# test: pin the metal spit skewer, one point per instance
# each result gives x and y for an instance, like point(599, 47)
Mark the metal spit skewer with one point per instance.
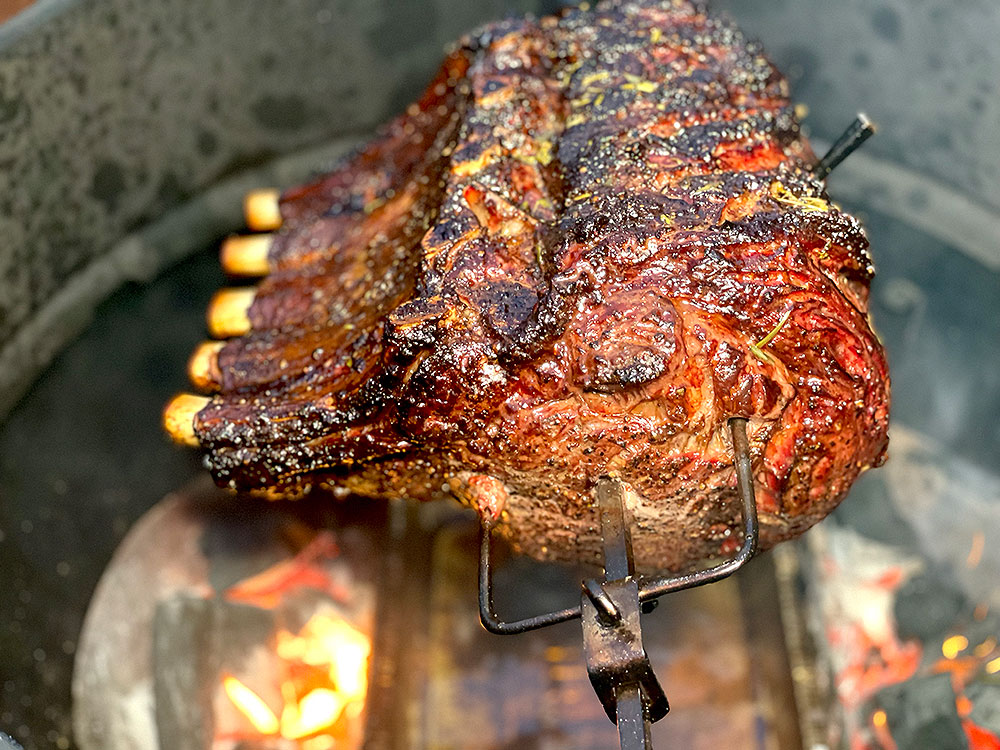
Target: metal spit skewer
point(617, 663)
point(857, 133)
point(618, 666)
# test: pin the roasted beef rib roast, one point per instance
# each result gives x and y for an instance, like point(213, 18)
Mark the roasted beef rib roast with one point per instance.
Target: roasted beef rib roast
point(593, 240)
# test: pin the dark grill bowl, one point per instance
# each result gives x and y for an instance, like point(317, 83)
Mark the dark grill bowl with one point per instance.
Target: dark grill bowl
point(129, 131)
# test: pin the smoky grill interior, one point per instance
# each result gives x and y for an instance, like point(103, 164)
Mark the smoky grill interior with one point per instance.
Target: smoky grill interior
point(81, 456)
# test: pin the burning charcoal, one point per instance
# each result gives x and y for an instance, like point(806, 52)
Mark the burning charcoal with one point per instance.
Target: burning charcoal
point(921, 714)
point(985, 698)
point(927, 606)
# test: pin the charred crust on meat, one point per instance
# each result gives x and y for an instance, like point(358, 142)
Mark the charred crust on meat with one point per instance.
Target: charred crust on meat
point(556, 264)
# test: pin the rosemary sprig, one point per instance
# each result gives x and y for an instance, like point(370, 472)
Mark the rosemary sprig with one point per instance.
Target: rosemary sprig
point(757, 349)
point(807, 203)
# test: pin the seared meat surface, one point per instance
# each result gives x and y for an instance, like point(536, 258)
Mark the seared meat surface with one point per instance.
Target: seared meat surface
point(593, 240)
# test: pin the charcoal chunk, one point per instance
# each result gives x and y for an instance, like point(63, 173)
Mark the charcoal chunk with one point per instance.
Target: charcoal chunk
point(985, 698)
point(927, 606)
point(922, 715)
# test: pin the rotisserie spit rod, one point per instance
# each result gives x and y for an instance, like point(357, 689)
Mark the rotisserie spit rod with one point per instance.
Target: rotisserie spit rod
point(619, 668)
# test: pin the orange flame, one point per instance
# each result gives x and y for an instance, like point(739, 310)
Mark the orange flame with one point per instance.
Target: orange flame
point(267, 589)
point(335, 656)
point(252, 706)
point(953, 646)
point(318, 709)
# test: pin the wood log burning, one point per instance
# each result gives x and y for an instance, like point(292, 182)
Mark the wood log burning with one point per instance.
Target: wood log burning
point(215, 639)
point(593, 240)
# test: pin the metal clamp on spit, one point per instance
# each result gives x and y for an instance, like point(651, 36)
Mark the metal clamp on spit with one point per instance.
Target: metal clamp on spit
point(616, 661)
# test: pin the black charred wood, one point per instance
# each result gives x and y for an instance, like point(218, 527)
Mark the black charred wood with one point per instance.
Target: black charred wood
point(927, 607)
point(182, 670)
point(922, 715)
point(196, 641)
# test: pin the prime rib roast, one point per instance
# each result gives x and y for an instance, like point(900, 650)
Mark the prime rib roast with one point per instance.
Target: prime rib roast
point(593, 240)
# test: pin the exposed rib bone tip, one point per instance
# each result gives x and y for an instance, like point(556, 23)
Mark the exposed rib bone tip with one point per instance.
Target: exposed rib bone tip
point(228, 312)
point(178, 417)
point(262, 210)
point(203, 366)
point(246, 255)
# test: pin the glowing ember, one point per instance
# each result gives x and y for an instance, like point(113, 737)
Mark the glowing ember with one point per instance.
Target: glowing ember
point(327, 668)
point(883, 669)
point(911, 629)
point(331, 642)
point(305, 570)
point(985, 648)
point(317, 710)
point(976, 551)
point(252, 706)
point(954, 645)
